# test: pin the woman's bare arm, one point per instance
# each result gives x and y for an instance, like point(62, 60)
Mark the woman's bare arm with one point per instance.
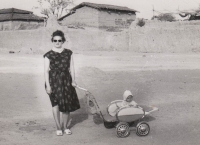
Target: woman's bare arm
point(72, 70)
point(46, 74)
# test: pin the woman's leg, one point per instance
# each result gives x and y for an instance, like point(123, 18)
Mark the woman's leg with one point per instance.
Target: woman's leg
point(56, 115)
point(66, 117)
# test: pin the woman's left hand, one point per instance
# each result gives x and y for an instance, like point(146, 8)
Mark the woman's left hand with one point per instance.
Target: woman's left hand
point(74, 84)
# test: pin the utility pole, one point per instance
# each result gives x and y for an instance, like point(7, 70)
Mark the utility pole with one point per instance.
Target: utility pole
point(153, 11)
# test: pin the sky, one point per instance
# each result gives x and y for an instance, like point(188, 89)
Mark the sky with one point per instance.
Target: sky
point(145, 7)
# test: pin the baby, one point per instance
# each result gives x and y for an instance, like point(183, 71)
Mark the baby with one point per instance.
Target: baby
point(128, 99)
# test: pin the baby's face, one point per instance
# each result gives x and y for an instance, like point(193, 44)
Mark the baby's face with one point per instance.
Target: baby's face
point(129, 98)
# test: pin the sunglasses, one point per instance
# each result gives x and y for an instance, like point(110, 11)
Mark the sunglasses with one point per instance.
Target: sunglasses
point(57, 40)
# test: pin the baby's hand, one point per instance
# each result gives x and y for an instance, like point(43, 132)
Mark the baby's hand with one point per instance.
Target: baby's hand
point(135, 106)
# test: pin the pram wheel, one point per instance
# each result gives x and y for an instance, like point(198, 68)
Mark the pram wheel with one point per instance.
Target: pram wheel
point(142, 129)
point(109, 125)
point(122, 130)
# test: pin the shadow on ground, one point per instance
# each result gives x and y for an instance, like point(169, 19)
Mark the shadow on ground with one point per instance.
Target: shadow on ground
point(81, 114)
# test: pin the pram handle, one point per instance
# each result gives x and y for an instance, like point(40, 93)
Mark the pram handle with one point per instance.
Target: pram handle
point(81, 88)
point(91, 97)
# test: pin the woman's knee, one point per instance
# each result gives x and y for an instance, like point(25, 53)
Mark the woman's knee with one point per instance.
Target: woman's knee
point(65, 113)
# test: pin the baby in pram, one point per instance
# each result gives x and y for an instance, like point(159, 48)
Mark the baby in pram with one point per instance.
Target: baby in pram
point(128, 99)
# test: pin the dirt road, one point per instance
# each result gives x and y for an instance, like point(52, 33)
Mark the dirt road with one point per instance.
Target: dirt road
point(169, 81)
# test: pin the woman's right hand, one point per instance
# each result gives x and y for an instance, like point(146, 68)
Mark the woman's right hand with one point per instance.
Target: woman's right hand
point(48, 90)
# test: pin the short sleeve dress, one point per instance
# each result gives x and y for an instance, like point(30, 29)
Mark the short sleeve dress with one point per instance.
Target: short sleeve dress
point(63, 93)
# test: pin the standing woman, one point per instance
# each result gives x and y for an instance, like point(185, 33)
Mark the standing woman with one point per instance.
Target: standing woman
point(60, 82)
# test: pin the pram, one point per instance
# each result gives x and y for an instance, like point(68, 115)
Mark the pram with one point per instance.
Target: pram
point(121, 117)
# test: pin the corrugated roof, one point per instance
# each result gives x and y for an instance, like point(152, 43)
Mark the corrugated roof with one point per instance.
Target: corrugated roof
point(14, 16)
point(14, 10)
point(104, 6)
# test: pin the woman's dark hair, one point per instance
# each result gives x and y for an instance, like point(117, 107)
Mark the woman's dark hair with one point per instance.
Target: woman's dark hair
point(58, 33)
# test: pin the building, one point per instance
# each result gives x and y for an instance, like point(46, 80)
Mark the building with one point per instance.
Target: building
point(16, 19)
point(99, 15)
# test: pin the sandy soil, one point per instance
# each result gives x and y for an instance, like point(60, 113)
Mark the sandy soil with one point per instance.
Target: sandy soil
point(169, 81)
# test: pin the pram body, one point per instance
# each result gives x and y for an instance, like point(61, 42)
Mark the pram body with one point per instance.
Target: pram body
point(122, 117)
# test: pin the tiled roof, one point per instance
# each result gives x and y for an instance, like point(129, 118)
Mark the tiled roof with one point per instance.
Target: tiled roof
point(16, 14)
point(14, 10)
point(100, 6)
point(7, 17)
point(104, 6)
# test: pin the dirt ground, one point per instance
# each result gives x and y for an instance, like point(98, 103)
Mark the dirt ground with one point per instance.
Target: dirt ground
point(169, 81)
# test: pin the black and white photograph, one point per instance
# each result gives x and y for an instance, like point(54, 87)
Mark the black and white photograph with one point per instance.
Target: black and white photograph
point(99, 72)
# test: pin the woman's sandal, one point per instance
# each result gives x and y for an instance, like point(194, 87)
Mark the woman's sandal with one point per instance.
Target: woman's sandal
point(59, 133)
point(68, 132)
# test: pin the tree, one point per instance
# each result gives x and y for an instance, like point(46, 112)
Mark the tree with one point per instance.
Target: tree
point(53, 7)
point(166, 17)
point(53, 10)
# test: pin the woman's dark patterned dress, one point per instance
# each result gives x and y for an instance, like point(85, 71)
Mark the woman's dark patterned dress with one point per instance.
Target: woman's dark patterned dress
point(63, 93)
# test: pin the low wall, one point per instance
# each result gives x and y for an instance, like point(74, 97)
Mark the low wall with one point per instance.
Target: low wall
point(159, 37)
point(39, 41)
point(154, 37)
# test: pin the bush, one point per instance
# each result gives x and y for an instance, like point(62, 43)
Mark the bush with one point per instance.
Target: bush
point(166, 17)
point(141, 22)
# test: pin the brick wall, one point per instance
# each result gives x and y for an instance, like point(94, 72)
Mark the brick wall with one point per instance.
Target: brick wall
point(84, 16)
point(87, 16)
point(20, 25)
point(110, 18)
point(5, 25)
